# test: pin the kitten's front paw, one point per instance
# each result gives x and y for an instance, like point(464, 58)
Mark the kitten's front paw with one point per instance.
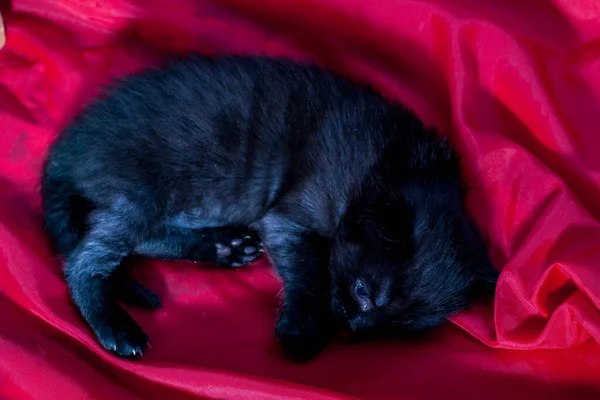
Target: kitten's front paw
point(303, 335)
point(120, 334)
point(235, 249)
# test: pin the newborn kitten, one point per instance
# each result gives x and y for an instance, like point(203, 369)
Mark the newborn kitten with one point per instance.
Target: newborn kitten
point(359, 207)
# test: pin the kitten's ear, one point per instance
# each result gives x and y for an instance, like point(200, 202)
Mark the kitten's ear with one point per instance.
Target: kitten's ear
point(484, 284)
point(486, 277)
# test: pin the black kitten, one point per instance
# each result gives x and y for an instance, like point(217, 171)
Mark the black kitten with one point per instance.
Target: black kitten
point(359, 207)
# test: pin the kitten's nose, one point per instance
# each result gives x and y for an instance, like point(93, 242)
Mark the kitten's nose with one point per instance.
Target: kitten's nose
point(361, 293)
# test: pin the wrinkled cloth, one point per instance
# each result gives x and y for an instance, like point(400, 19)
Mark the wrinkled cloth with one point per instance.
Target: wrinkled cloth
point(515, 84)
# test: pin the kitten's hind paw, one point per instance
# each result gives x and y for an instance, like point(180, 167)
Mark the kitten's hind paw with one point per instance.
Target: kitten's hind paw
point(235, 249)
point(121, 335)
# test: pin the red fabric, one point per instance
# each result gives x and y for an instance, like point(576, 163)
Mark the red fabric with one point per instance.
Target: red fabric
point(516, 83)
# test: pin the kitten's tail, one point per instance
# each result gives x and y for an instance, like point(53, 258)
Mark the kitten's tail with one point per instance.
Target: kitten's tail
point(65, 211)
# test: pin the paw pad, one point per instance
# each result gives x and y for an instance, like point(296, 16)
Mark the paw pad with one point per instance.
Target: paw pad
point(239, 251)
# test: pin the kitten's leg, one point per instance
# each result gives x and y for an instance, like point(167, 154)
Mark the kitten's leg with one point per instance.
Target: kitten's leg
point(89, 268)
point(300, 258)
point(228, 246)
point(130, 291)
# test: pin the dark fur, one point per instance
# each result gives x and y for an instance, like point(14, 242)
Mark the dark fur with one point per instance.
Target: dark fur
point(359, 207)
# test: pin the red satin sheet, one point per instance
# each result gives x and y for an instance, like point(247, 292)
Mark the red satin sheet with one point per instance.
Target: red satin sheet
point(515, 82)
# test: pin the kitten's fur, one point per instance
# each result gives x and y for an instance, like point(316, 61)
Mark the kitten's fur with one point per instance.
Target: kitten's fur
point(359, 207)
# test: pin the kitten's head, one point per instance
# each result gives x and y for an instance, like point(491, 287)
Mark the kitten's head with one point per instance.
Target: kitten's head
point(408, 259)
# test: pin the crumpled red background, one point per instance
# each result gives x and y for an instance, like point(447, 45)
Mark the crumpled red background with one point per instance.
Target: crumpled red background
point(515, 83)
